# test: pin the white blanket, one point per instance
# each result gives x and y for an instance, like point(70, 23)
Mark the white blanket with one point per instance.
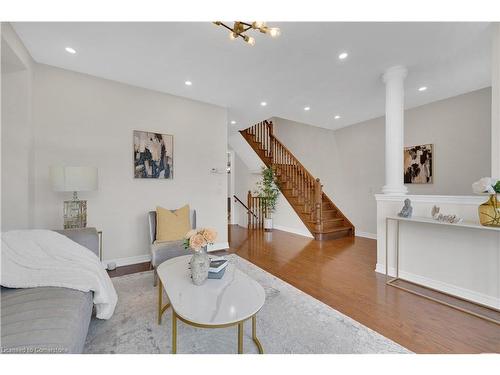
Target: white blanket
point(33, 258)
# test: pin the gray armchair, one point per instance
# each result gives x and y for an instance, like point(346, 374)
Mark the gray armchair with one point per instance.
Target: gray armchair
point(160, 252)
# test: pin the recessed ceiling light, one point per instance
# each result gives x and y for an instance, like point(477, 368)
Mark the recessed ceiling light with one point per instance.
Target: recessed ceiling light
point(263, 104)
point(336, 117)
point(423, 88)
point(233, 122)
point(307, 108)
point(343, 55)
point(188, 83)
point(70, 50)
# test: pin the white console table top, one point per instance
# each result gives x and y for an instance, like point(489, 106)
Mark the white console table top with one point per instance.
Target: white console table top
point(428, 220)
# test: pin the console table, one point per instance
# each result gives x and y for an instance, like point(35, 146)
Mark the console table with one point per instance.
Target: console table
point(392, 281)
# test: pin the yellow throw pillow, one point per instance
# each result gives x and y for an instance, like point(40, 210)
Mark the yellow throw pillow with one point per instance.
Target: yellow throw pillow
point(172, 225)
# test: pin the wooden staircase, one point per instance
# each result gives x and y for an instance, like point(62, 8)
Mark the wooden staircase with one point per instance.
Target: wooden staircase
point(303, 191)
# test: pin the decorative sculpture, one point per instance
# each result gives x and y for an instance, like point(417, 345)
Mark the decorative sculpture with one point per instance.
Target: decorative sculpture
point(452, 219)
point(407, 209)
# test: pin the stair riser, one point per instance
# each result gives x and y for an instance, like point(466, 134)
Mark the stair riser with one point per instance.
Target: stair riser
point(333, 225)
point(333, 236)
point(329, 214)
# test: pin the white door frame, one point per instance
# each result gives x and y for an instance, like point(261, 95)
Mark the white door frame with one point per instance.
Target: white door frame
point(231, 191)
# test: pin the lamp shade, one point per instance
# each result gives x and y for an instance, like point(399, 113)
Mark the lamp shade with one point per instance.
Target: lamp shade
point(73, 178)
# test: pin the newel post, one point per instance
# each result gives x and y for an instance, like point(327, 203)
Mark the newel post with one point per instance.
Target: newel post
point(318, 193)
point(271, 137)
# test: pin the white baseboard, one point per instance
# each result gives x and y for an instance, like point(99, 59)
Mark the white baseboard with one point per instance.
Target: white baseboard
point(380, 268)
point(373, 236)
point(294, 231)
point(444, 287)
point(128, 261)
point(147, 257)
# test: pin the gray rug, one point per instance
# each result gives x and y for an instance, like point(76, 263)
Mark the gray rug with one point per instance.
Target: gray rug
point(291, 321)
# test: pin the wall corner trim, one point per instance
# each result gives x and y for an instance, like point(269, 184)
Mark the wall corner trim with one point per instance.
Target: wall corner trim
point(372, 236)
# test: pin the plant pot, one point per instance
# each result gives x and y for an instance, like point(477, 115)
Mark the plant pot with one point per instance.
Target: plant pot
point(200, 263)
point(268, 224)
point(489, 212)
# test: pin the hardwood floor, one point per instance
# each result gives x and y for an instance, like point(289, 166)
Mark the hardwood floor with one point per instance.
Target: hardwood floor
point(133, 268)
point(341, 274)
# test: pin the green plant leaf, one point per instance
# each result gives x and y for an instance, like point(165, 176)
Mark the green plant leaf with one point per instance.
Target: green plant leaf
point(497, 186)
point(268, 190)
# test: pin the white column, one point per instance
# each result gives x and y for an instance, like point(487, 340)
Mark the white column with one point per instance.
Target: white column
point(495, 103)
point(394, 130)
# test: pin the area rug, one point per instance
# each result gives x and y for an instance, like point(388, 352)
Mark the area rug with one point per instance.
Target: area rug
point(291, 321)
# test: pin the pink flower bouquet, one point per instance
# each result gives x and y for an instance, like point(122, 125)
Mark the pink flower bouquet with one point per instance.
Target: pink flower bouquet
point(196, 239)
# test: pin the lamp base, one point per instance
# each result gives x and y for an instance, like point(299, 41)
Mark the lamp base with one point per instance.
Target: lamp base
point(75, 214)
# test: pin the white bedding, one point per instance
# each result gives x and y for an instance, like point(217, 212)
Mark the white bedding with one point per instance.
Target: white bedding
point(33, 258)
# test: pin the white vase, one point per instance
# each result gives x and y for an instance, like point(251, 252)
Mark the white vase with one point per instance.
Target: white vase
point(268, 224)
point(200, 263)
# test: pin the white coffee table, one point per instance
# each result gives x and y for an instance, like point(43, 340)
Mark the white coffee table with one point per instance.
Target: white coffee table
point(220, 303)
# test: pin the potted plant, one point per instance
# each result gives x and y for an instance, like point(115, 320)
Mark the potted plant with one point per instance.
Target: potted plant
point(268, 191)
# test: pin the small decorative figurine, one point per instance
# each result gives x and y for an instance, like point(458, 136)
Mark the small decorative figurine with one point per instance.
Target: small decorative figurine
point(407, 209)
point(452, 219)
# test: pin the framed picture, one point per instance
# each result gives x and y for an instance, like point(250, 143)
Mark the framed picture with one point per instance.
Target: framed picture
point(153, 155)
point(418, 164)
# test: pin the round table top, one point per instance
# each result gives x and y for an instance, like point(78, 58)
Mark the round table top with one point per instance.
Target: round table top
point(234, 298)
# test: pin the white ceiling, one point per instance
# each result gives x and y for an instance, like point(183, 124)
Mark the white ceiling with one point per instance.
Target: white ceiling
point(298, 69)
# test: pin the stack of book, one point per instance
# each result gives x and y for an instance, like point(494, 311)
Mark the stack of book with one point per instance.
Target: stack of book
point(217, 268)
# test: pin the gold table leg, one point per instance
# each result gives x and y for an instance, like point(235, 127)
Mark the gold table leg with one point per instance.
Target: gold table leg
point(254, 335)
point(174, 332)
point(160, 295)
point(240, 338)
point(161, 309)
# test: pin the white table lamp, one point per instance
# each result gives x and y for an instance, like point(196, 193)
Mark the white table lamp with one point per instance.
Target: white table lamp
point(74, 179)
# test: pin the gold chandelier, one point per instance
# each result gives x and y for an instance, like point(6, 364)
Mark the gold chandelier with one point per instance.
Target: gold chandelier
point(240, 28)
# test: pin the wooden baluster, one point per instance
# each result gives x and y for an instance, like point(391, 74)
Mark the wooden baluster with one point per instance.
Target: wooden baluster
point(317, 201)
point(296, 190)
point(265, 140)
point(308, 195)
point(249, 205)
point(261, 213)
point(261, 126)
point(266, 132)
point(272, 140)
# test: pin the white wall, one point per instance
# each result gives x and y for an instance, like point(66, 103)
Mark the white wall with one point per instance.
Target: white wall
point(350, 161)
point(84, 120)
point(17, 133)
point(455, 259)
point(495, 101)
point(244, 180)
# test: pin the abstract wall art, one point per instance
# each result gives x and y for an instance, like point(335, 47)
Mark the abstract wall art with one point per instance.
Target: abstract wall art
point(153, 155)
point(418, 164)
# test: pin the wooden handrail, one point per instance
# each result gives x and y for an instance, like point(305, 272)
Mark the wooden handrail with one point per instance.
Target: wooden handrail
point(244, 205)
